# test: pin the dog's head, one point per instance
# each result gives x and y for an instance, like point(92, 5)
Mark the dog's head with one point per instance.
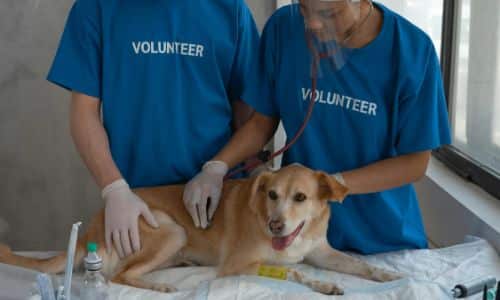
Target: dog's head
point(286, 202)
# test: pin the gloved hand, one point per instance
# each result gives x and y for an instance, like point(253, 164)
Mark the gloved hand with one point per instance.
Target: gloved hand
point(339, 178)
point(121, 215)
point(206, 185)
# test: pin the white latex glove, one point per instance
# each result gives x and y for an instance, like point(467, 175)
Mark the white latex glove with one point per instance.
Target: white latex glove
point(207, 184)
point(121, 218)
point(339, 178)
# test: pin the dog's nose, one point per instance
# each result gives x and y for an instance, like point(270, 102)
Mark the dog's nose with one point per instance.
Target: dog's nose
point(276, 226)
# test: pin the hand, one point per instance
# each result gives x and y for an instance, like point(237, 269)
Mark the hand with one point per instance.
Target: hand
point(121, 215)
point(204, 186)
point(340, 178)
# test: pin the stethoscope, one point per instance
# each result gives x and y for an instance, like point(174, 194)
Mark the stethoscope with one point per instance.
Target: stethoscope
point(264, 156)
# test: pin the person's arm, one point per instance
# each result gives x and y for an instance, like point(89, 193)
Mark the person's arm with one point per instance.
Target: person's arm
point(422, 125)
point(242, 112)
point(123, 207)
point(91, 139)
point(248, 140)
point(202, 193)
point(387, 174)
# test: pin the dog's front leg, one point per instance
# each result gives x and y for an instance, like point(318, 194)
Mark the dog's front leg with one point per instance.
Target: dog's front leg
point(233, 267)
point(326, 257)
point(327, 288)
point(238, 266)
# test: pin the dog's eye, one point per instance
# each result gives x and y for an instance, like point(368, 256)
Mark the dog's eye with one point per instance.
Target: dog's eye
point(299, 197)
point(273, 195)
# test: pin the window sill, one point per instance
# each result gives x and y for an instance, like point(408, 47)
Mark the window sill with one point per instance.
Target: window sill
point(468, 194)
point(453, 207)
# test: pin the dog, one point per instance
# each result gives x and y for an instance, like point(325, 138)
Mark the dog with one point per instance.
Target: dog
point(278, 218)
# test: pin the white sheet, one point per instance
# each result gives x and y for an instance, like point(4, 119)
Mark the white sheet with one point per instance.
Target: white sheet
point(433, 274)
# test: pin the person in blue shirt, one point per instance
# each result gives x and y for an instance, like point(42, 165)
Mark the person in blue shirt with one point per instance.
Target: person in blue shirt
point(167, 77)
point(377, 116)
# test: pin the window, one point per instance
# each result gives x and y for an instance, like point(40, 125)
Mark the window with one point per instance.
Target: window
point(472, 79)
point(426, 14)
point(475, 94)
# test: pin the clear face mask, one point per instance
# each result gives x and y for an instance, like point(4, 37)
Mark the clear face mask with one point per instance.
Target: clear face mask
point(329, 25)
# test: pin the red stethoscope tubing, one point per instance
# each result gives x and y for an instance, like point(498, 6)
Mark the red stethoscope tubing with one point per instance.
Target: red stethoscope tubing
point(314, 81)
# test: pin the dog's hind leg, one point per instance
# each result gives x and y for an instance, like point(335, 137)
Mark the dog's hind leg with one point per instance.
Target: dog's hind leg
point(159, 246)
point(52, 265)
point(326, 257)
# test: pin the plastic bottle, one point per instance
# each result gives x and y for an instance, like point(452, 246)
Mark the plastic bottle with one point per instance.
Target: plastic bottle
point(94, 286)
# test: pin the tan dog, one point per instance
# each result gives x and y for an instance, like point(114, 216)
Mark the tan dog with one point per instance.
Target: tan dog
point(275, 218)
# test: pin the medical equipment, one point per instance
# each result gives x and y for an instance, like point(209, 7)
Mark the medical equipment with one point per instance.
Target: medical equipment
point(94, 285)
point(45, 287)
point(473, 287)
point(64, 293)
point(491, 294)
point(328, 41)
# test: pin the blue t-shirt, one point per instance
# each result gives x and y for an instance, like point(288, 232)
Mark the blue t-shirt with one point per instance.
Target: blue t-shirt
point(387, 100)
point(166, 73)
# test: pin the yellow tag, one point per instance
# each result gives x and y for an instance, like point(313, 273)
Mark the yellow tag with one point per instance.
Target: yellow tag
point(273, 272)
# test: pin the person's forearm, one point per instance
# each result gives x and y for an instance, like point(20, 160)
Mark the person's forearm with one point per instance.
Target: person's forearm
point(91, 139)
point(242, 112)
point(248, 140)
point(387, 174)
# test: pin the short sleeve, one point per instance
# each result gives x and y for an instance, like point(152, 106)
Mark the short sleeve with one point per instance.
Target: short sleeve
point(262, 94)
point(423, 122)
point(77, 64)
point(246, 53)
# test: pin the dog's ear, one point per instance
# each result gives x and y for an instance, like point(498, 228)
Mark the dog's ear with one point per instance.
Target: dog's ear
point(329, 188)
point(258, 188)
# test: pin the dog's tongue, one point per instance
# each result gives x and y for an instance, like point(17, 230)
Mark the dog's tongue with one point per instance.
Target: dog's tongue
point(280, 243)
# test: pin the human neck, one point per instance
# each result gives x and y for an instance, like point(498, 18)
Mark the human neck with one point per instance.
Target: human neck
point(369, 29)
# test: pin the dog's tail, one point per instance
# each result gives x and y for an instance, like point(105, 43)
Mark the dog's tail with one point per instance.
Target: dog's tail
point(52, 265)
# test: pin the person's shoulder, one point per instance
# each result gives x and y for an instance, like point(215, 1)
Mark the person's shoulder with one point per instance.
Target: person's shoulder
point(89, 8)
point(283, 14)
point(412, 49)
point(89, 4)
point(232, 5)
point(281, 19)
point(230, 9)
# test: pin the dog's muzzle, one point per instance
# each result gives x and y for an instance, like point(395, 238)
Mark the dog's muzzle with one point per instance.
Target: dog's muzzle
point(280, 243)
point(276, 227)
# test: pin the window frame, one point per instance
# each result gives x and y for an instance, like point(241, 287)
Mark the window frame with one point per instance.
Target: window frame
point(461, 163)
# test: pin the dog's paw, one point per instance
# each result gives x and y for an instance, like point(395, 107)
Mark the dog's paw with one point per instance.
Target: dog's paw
point(391, 276)
point(326, 288)
point(384, 276)
point(163, 288)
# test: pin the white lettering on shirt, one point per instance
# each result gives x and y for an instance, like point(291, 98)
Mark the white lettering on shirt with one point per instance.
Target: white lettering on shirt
point(349, 103)
point(167, 48)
